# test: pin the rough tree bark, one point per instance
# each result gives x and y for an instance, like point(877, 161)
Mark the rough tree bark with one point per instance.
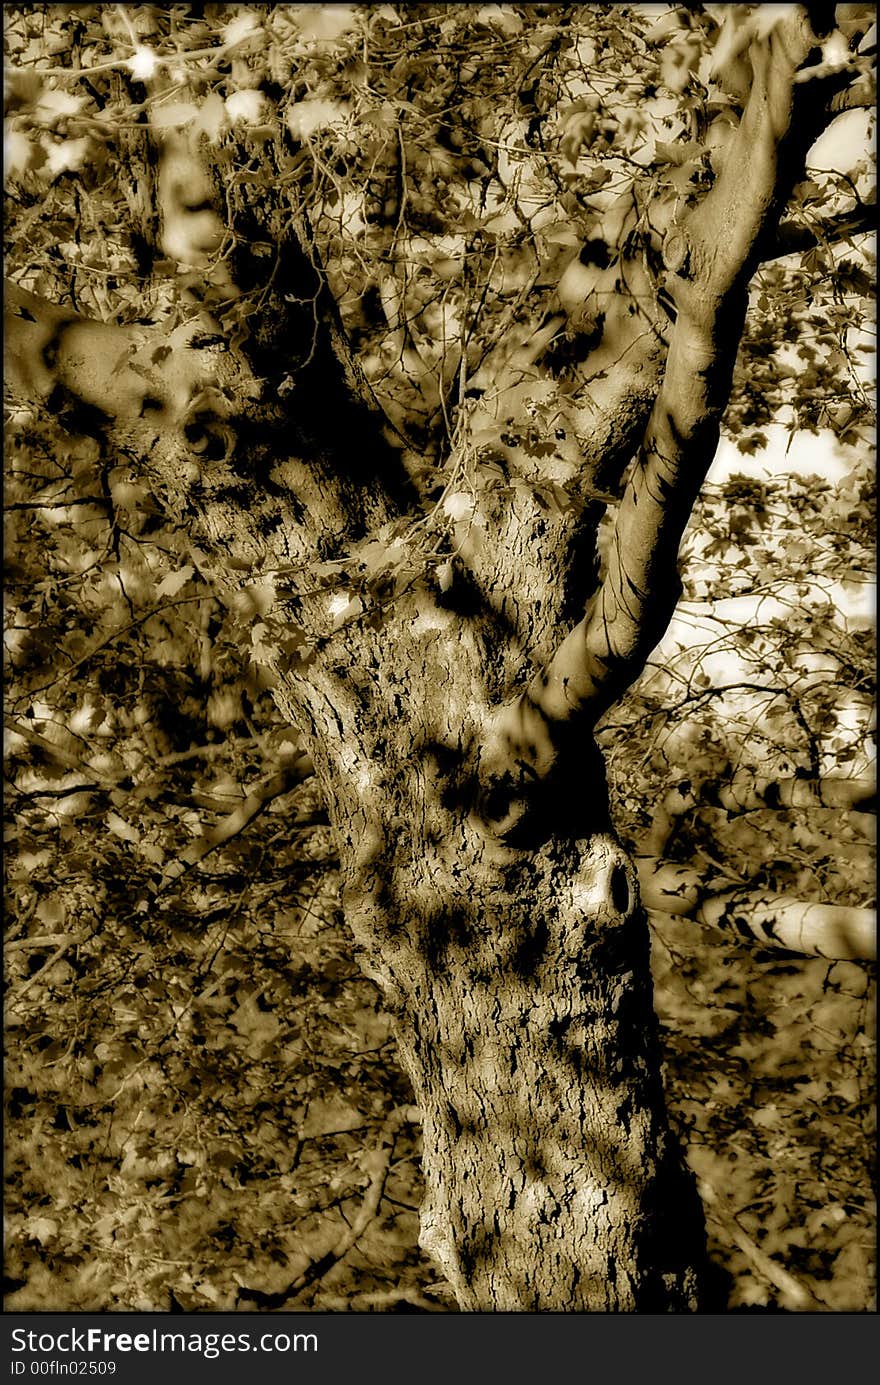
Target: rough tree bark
point(452, 732)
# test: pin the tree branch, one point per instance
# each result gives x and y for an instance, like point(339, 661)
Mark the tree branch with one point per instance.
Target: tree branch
point(209, 430)
point(793, 236)
point(795, 1291)
point(772, 919)
point(56, 752)
point(122, 371)
point(836, 931)
point(236, 821)
point(711, 255)
point(376, 1163)
point(66, 942)
point(745, 794)
point(862, 95)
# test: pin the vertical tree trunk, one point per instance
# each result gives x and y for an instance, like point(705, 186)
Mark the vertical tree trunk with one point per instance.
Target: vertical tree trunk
point(524, 1017)
point(519, 981)
point(452, 733)
point(515, 963)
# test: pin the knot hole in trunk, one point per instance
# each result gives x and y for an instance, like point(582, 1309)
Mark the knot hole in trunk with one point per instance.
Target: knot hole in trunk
point(619, 890)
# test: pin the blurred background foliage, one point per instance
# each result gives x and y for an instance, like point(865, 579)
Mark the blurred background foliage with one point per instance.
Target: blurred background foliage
point(199, 1080)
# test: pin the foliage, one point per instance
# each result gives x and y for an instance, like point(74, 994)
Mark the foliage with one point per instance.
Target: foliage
point(196, 1089)
point(200, 1075)
point(809, 323)
point(198, 1065)
point(777, 679)
point(454, 160)
point(769, 1072)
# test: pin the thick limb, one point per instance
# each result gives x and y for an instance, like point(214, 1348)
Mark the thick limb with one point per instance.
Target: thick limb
point(711, 255)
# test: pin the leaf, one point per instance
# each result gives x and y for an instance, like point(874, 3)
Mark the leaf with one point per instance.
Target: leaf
point(444, 576)
point(247, 106)
point(562, 233)
point(143, 63)
point(212, 117)
point(458, 505)
point(305, 118)
point(55, 104)
point(333, 568)
point(852, 278)
point(345, 608)
point(259, 1028)
point(67, 156)
point(239, 27)
point(325, 23)
point(51, 912)
point(171, 585)
point(173, 116)
point(331, 1117)
point(767, 1118)
point(376, 556)
point(663, 28)
point(594, 180)
point(120, 828)
point(19, 152)
point(538, 448)
point(676, 65)
point(42, 1229)
point(339, 603)
point(31, 861)
point(152, 853)
point(578, 129)
point(256, 599)
point(501, 17)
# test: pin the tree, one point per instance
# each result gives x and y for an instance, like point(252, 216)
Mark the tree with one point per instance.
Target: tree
point(421, 581)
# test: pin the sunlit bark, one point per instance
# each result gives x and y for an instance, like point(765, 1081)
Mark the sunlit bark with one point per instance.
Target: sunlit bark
point(806, 927)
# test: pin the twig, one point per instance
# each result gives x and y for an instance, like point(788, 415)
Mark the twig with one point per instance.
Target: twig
point(376, 1164)
point(239, 819)
point(44, 940)
point(55, 752)
point(798, 1294)
point(57, 504)
point(164, 59)
point(117, 635)
point(208, 752)
point(69, 940)
point(387, 1298)
point(18, 926)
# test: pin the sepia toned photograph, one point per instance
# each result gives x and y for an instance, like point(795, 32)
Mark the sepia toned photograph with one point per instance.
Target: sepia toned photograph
point(439, 660)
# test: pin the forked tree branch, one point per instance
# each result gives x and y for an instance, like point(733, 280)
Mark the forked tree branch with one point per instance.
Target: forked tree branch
point(809, 928)
point(235, 822)
point(375, 1163)
point(710, 255)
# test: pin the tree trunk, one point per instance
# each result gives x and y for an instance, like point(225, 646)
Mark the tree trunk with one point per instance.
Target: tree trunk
point(524, 1019)
point(519, 982)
